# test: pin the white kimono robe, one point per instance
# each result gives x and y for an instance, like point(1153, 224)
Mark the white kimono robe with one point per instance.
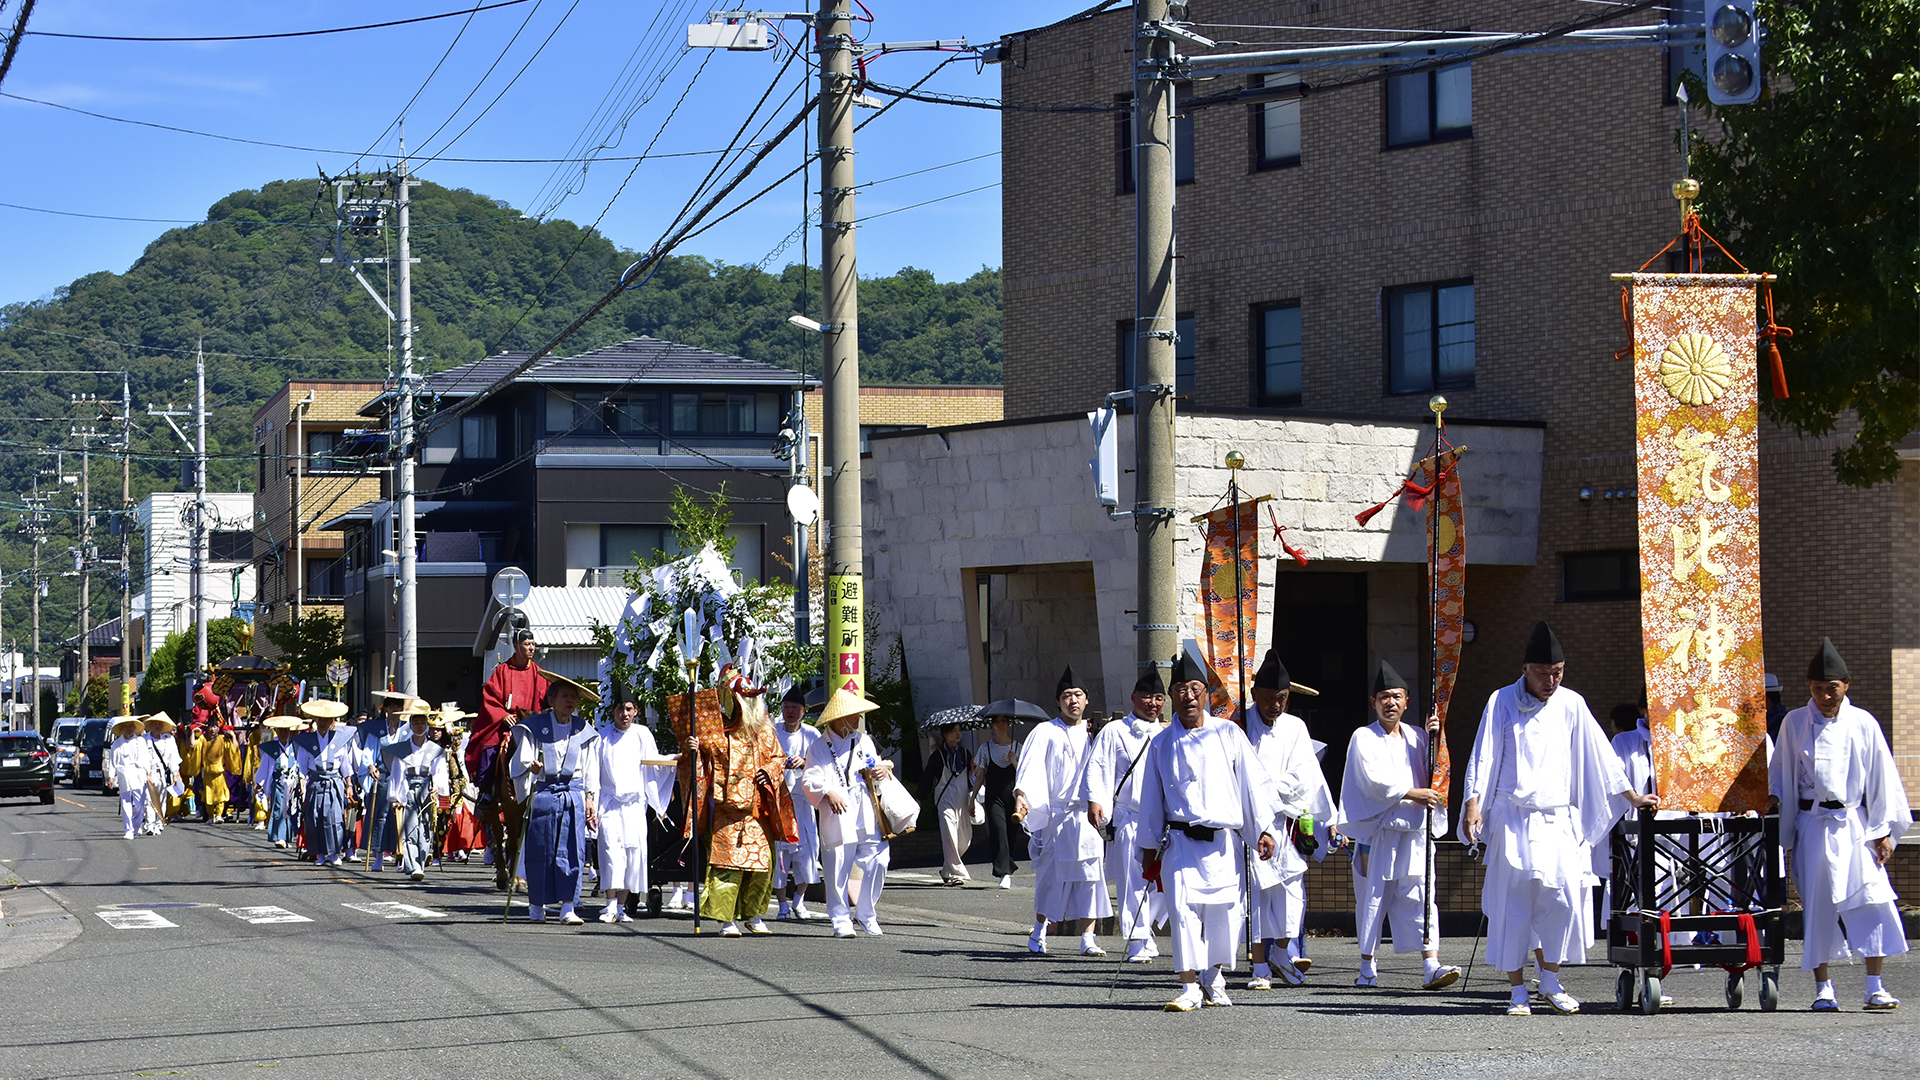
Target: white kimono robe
point(1113, 779)
point(1549, 786)
point(130, 762)
point(836, 765)
point(1206, 776)
point(1840, 760)
point(1390, 865)
point(1300, 789)
point(620, 788)
point(1068, 882)
point(798, 863)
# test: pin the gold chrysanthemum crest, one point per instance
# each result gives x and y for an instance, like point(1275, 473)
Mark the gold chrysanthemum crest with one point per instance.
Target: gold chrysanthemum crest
point(1695, 369)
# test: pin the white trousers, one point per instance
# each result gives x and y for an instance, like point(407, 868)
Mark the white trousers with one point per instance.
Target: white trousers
point(1529, 913)
point(1142, 907)
point(1279, 911)
point(1398, 900)
point(799, 863)
point(838, 862)
point(956, 833)
point(1205, 933)
point(133, 807)
point(623, 846)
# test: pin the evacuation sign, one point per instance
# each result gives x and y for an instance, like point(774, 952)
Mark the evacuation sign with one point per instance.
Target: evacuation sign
point(846, 636)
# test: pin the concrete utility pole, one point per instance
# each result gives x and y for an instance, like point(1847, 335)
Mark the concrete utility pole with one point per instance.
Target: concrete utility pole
point(200, 507)
point(1158, 629)
point(840, 366)
point(126, 546)
point(409, 558)
point(82, 565)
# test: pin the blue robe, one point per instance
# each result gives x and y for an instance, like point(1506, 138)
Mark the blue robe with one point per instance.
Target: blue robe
point(554, 847)
point(326, 766)
point(371, 740)
point(280, 795)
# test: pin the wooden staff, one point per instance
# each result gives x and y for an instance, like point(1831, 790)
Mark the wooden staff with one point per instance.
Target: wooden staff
point(1439, 406)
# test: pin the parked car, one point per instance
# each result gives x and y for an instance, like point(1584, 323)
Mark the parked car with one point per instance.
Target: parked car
point(66, 735)
point(26, 765)
point(90, 755)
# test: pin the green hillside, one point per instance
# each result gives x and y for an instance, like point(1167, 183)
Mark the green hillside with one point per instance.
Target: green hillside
point(250, 281)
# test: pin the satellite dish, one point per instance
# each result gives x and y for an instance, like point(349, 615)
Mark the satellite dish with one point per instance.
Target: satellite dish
point(803, 504)
point(511, 587)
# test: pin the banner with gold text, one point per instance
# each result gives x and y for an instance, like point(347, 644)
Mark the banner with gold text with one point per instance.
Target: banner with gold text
point(1697, 438)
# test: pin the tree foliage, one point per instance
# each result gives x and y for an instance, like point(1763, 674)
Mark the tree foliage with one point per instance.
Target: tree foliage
point(1816, 182)
point(250, 284)
point(307, 643)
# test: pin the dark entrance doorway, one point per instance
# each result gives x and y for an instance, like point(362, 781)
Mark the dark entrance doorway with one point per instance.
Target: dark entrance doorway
point(1320, 628)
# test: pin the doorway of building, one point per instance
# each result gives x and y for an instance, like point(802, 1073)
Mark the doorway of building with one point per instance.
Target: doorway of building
point(1320, 628)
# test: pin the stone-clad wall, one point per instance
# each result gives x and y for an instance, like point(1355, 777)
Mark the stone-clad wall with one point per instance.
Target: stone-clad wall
point(943, 506)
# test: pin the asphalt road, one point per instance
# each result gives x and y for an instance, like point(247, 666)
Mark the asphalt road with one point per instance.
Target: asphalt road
point(444, 988)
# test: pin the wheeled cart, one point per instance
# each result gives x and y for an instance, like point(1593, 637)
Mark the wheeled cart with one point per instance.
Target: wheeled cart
point(1717, 878)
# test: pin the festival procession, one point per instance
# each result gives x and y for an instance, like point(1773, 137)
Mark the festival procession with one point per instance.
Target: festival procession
point(711, 757)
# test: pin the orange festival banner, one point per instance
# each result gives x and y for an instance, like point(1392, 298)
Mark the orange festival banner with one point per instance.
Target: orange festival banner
point(1229, 601)
point(1447, 563)
point(1695, 382)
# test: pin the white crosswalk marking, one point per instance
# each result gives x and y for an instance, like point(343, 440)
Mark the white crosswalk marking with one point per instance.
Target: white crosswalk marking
point(265, 914)
point(135, 920)
point(388, 909)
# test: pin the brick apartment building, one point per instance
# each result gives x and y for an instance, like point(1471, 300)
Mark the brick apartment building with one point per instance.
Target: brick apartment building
point(306, 473)
point(1343, 257)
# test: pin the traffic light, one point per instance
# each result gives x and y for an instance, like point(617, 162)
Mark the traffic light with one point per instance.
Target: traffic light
point(1733, 52)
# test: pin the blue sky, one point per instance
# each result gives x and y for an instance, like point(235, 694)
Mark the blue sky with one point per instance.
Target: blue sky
point(337, 92)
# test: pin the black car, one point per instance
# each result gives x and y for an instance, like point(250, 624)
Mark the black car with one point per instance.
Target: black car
point(90, 759)
point(26, 765)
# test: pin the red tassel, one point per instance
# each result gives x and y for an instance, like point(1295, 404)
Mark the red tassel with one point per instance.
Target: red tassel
point(1298, 555)
point(1370, 512)
point(1779, 371)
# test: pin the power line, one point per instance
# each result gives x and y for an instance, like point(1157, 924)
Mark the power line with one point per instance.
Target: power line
point(287, 34)
point(347, 153)
point(929, 202)
point(258, 222)
point(402, 116)
point(482, 81)
point(548, 40)
point(13, 39)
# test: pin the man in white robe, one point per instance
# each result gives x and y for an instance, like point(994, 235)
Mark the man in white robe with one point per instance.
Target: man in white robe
point(624, 776)
point(1069, 884)
point(841, 767)
point(1203, 798)
point(1543, 785)
point(1385, 797)
point(1303, 811)
point(414, 769)
point(165, 782)
point(796, 865)
point(1836, 784)
point(1112, 792)
point(130, 763)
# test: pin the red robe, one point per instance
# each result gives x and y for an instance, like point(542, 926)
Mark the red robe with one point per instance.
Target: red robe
point(528, 692)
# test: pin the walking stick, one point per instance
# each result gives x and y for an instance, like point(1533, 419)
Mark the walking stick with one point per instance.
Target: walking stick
point(1146, 895)
point(1439, 406)
point(513, 879)
point(693, 810)
point(1241, 655)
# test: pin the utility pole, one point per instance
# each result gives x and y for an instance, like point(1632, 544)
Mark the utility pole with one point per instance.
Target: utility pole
point(1158, 631)
point(200, 507)
point(126, 547)
point(82, 560)
point(403, 436)
point(36, 518)
point(840, 347)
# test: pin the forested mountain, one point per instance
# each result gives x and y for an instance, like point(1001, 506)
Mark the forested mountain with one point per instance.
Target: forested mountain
point(250, 283)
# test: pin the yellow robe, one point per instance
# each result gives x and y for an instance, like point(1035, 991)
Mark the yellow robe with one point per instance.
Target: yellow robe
point(189, 770)
point(217, 758)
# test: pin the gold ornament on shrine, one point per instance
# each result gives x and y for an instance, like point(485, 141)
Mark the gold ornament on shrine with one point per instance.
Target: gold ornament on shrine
point(1695, 369)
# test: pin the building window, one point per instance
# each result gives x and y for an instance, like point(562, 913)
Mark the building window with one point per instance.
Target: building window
point(480, 437)
point(441, 445)
point(230, 546)
point(725, 414)
point(326, 579)
point(1429, 337)
point(1276, 128)
point(1183, 168)
point(638, 414)
point(1599, 575)
point(320, 449)
point(1277, 328)
point(262, 486)
point(1430, 106)
point(1184, 357)
point(878, 429)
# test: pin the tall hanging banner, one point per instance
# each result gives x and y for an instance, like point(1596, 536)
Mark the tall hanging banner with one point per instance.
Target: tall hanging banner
point(1447, 562)
point(1229, 601)
point(1697, 437)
